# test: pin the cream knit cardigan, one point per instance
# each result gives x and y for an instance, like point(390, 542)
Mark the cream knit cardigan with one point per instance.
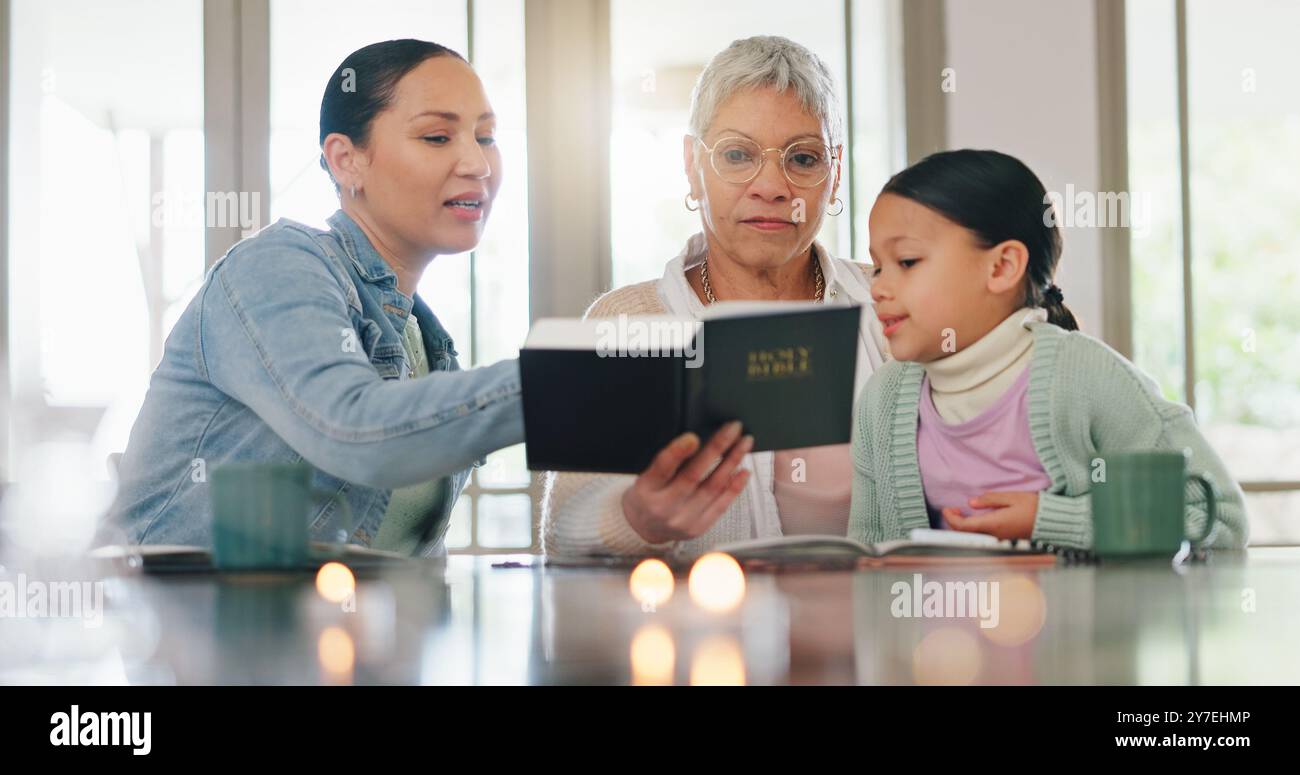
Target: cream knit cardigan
point(582, 514)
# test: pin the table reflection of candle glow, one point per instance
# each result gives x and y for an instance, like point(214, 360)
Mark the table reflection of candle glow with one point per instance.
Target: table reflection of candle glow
point(946, 656)
point(1022, 609)
point(717, 583)
point(335, 583)
point(718, 661)
point(336, 652)
point(653, 657)
point(651, 584)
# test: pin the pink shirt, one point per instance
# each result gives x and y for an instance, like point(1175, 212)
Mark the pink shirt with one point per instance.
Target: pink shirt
point(991, 452)
point(820, 503)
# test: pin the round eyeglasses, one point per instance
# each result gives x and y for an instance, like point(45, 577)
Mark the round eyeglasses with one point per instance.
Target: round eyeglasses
point(805, 163)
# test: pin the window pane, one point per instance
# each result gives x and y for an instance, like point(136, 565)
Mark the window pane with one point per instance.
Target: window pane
point(651, 92)
point(501, 260)
point(878, 143)
point(458, 529)
point(505, 468)
point(1273, 517)
point(1245, 148)
point(106, 188)
point(445, 288)
point(1156, 252)
point(1244, 133)
point(499, 267)
point(505, 521)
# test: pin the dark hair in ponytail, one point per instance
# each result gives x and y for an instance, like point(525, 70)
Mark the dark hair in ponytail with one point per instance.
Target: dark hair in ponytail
point(363, 85)
point(997, 198)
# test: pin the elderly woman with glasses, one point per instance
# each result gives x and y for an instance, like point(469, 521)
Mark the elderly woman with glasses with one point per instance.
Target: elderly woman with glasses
point(762, 161)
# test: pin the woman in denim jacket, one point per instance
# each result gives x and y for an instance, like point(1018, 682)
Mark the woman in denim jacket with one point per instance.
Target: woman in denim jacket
point(310, 345)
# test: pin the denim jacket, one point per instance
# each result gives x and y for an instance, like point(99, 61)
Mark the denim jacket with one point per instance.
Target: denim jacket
point(292, 350)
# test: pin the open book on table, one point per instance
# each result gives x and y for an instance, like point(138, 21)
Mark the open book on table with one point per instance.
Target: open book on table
point(176, 558)
point(922, 547)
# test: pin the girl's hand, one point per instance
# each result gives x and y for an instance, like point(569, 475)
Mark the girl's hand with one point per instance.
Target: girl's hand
point(1012, 515)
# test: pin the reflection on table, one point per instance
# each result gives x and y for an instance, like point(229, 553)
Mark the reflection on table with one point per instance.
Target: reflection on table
point(1231, 620)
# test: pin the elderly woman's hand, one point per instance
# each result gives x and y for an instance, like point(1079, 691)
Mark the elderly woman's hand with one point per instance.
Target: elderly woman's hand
point(681, 494)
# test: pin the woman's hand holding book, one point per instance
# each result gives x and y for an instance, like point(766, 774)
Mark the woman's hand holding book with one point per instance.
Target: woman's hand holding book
point(686, 489)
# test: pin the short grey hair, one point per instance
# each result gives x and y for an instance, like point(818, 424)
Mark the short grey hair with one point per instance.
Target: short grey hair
point(767, 60)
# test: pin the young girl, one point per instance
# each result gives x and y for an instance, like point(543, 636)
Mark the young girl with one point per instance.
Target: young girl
point(994, 408)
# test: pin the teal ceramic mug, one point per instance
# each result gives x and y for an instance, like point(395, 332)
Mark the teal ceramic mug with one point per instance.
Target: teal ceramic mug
point(1139, 507)
point(260, 515)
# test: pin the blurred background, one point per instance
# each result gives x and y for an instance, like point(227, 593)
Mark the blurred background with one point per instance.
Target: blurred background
point(118, 118)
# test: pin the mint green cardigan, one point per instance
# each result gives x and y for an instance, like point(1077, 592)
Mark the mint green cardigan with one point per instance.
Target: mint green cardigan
point(1085, 400)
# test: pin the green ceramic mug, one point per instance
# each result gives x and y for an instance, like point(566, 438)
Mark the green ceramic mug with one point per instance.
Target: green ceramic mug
point(1139, 508)
point(260, 515)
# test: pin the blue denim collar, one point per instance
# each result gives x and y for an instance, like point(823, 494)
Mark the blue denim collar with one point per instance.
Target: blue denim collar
point(371, 266)
point(374, 269)
point(437, 342)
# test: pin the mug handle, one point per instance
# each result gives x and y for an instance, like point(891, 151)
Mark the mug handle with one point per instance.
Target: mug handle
point(343, 511)
point(1211, 507)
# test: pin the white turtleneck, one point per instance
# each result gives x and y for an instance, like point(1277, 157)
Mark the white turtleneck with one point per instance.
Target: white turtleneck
point(967, 382)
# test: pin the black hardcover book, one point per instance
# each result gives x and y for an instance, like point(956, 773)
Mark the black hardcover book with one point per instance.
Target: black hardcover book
point(605, 395)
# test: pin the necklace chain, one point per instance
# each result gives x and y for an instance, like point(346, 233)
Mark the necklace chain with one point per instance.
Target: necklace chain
point(820, 281)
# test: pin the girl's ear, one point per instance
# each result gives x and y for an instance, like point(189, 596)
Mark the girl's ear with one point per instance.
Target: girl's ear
point(1010, 262)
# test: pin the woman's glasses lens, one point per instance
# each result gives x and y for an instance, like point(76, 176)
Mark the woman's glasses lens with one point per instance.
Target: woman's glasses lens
point(737, 160)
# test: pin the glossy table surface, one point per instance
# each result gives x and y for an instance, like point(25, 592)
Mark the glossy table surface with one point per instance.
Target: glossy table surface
point(1234, 619)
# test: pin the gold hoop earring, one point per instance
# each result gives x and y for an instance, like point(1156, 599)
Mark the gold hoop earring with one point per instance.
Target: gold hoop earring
point(837, 212)
point(687, 200)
